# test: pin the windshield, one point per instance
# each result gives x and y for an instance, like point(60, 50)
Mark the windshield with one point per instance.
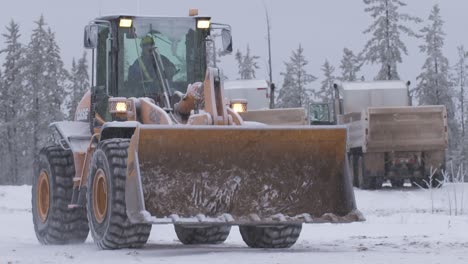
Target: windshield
point(173, 43)
point(320, 113)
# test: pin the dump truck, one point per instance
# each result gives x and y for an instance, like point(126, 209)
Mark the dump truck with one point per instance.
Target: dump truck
point(251, 100)
point(388, 138)
point(153, 142)
point(255, 92)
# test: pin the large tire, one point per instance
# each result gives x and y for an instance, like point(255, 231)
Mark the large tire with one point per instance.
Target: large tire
point(397, 183)
point(202, 235)
point(353, 170)
point(109, 224)
point(421, 182)
point(438, 180)
point(418, 182)
point(377, 183)
point(281, 236)
point(52, 190)
point(364, 181)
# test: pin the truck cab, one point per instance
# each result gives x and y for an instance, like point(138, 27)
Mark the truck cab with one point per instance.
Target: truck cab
point(255, 92)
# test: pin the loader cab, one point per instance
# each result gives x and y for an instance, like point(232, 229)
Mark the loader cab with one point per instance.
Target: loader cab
point(121, 68)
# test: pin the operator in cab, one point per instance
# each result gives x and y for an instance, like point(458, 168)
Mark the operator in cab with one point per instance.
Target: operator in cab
point(143, 76)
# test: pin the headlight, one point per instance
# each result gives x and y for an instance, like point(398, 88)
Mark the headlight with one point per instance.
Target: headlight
point(125, 23)
point(119, 105)
point(239, 105)
point(203, 23)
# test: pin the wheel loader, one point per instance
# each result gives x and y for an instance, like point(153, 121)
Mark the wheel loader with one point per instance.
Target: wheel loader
point(155, 142)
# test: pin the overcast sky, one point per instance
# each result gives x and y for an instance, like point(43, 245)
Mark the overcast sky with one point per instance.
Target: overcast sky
point(323, 27)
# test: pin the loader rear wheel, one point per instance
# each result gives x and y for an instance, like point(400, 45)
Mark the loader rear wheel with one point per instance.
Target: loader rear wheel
point(54, 222)
point(202, 235)
point(110, 226)
point(280, 236)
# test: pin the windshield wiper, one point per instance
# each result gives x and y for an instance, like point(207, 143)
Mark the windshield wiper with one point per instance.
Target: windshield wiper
point(159, 68)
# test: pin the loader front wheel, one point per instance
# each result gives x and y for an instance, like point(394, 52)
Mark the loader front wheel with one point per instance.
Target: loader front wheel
point(202, 235)
point(52, 190)
point(110, 226)
point(280, 236)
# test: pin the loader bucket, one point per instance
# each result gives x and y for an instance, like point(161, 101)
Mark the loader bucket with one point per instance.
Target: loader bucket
point(239, 174)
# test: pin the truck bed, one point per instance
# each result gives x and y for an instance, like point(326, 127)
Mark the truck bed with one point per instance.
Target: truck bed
point(384, 129)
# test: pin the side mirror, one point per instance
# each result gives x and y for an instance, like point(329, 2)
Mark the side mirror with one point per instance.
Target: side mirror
point(227, 40)
point(91, 36)
point(337, 91)
point(410, 96)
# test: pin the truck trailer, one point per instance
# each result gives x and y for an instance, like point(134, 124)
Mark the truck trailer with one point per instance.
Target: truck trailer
point(388, 139)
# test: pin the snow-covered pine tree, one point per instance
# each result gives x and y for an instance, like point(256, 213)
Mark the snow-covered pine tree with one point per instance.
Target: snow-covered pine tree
point(434, 87)
point(79, 83)
point(350, 66)
point(295, 91)
point(326, 92)
point(289, 95)
point(3, 135)
point(55, 79)
point(44, 79)
point(459, 83)
point(70, 88)
point(11, 100)
point(386, 45)
point(247, 64)
point(460, 74)
point(34, 81)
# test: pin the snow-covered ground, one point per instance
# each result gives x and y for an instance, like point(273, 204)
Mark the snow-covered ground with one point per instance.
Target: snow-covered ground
point(399, 229)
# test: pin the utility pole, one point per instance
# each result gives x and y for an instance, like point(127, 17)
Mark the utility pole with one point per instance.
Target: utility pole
point(138, 7)
point(272, 85)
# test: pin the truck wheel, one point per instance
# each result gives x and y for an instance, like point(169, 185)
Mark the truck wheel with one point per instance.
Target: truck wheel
point(353, 170)
point(378, 182)
point(397, 183)
point(202, 235)
point(110, 226)
point(280, 236)
point(52, 189)
point(436, 182)
point(417, 182)
point(364, 181)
